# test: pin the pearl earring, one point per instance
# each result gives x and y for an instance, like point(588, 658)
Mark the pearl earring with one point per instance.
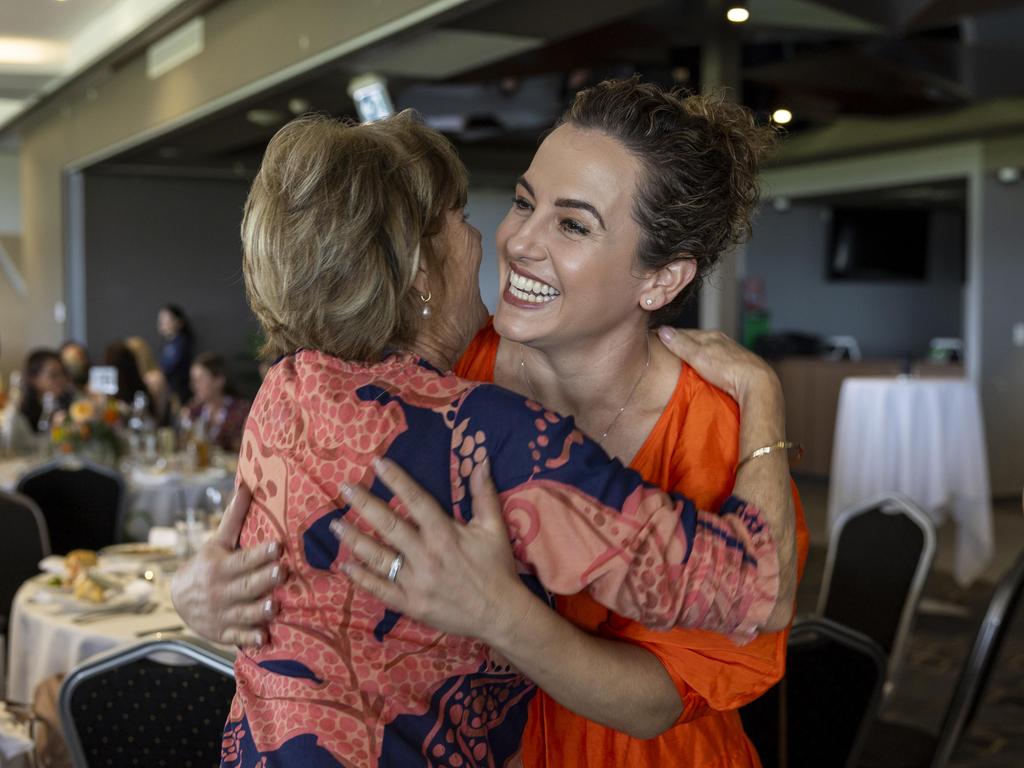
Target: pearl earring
point(426, 312)
point(648, 301)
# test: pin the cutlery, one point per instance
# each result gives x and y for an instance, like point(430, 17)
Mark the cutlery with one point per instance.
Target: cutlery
point(104, 613)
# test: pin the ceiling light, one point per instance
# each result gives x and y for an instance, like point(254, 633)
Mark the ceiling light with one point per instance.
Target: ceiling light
point(27, 50)
point(1008, 174)
point(737, 12)
point(298, 105)
point(264, 117)
point(782, 116)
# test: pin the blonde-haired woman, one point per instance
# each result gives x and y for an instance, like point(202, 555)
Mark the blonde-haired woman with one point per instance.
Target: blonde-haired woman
point(361, 268)
point(165, 402)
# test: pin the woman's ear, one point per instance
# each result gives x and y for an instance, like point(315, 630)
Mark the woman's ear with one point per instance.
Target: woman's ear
point(662, 287)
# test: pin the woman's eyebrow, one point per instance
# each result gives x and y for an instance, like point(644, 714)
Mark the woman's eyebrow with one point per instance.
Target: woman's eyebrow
point(566, 202)
point(583, 205)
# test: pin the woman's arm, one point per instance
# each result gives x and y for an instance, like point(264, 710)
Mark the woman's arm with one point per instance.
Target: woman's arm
point(223, 593)
point(764, 481)
point(462, 579)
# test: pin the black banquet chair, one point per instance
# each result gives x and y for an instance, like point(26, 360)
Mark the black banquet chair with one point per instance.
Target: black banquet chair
point(894, 745)
point(879, 556)
point(161, 702)
point(23, 544)
point(818, 715)
point(80, 501)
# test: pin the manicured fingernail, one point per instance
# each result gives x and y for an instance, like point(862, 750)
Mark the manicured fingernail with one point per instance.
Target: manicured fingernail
point(346, 568)
point(667, 333)
point(268, 606)
point(338, 529)
point(379, 464)
point(273, 549)
point(275, 573)
point(257, 641)
point(346, 491)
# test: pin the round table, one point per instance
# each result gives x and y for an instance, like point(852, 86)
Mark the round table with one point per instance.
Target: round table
point(45, 640)
point(154, 497)
point(923, 438)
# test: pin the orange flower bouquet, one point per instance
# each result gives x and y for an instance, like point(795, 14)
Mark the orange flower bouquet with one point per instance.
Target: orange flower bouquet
point(91, 428)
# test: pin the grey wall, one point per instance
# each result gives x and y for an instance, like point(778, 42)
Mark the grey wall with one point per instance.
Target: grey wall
point(1002, 305)
point(150, 241)
point(788, 250)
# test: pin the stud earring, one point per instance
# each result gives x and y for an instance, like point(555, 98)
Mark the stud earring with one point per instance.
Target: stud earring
point(426, 312)
point(648, 301)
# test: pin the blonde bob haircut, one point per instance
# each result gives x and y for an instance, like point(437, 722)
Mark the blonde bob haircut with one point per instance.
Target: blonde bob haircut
point(338, 222)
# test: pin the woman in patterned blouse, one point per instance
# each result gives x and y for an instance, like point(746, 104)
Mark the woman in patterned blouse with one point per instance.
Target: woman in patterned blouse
point(362, 270)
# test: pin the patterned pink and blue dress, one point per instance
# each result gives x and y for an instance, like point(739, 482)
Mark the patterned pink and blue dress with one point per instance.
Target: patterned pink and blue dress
point(344, 681)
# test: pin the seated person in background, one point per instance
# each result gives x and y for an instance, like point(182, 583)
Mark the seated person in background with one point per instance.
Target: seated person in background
point(47, 388)
point(129, 379)
point(165, 402)
point(75, 358)
point(215, 404)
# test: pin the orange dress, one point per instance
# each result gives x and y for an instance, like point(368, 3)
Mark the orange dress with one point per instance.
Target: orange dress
point(692, 449)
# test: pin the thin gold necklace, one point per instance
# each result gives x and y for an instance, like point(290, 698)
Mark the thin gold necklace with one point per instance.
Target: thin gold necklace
point(636, 385)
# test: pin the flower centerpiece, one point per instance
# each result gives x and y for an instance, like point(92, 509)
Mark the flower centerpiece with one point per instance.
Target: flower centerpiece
point(91, 428)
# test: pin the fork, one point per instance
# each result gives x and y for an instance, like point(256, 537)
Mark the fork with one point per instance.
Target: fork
point(138, 609)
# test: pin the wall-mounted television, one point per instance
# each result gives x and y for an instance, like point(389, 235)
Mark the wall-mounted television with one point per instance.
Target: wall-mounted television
point(878, 244)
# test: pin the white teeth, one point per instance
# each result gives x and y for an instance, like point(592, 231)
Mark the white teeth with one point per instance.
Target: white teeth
point(533, 298)
point(527, 289)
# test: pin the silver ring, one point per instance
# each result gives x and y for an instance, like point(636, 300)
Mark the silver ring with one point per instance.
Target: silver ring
point(396, 566)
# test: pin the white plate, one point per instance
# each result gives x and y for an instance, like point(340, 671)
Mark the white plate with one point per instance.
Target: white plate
point(133, 592)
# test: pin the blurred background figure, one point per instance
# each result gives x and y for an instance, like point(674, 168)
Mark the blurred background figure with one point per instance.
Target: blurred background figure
point(46, 389)
point(129, 379)
point(178, 348)
point(215, 411)
point(75, 358)
point(165, 403)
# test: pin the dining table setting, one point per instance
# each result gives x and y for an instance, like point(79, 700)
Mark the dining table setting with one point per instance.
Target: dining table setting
point(85, 603)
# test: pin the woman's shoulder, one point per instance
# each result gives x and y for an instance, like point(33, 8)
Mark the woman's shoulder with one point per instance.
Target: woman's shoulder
point(700, 394)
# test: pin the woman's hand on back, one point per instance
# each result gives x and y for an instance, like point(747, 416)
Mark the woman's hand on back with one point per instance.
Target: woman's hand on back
point(459, 578)
point(223, 593)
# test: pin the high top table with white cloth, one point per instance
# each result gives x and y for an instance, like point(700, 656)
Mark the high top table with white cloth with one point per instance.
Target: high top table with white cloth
point(923, 438)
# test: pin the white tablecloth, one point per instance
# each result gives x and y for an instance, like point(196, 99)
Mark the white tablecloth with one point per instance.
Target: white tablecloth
point(162, 499)
point(45, 641)
point(153, 499)
point(923, 438)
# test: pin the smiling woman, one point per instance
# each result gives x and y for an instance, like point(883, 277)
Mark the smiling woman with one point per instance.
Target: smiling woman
point(581, 277)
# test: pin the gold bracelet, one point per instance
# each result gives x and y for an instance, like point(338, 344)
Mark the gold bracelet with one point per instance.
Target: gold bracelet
point(787, 445)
